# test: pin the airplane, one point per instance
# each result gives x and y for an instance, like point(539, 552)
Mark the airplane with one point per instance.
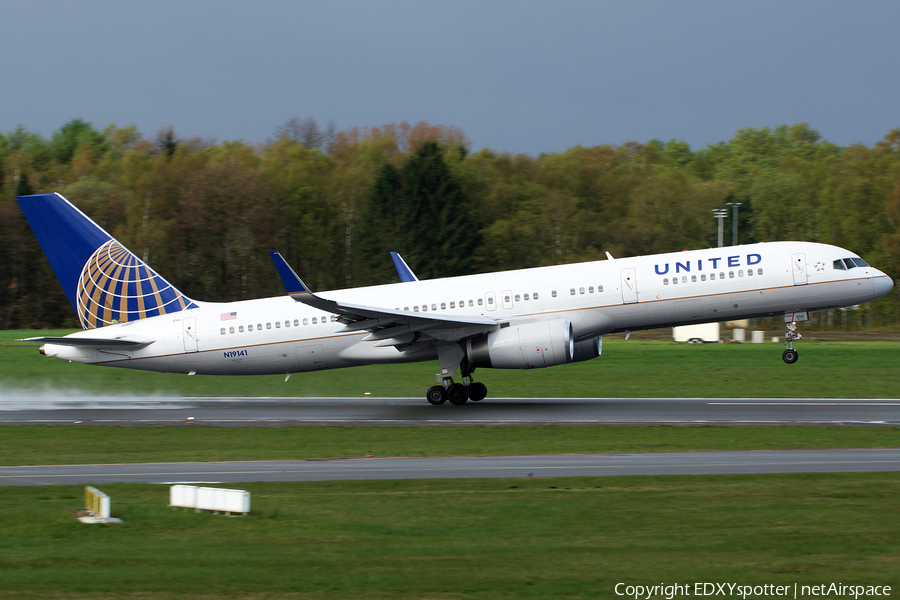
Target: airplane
point(522, 319)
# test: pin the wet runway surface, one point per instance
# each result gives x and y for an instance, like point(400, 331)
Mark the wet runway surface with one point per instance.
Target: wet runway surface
point(589, 465)
point(47, 409)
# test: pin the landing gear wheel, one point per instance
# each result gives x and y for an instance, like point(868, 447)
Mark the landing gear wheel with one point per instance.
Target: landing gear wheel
point(457, 394)
point(790, 356)
point(477, 391)
point(436, 395)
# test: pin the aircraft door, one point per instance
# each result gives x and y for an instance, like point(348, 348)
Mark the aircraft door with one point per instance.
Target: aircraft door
point(490, 300)
point(798, 267)
point(311, 357)
point(629, 286)
point(189, 334)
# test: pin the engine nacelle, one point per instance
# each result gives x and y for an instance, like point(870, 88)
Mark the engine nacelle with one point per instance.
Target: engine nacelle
point(527, 346)
point(588, 349)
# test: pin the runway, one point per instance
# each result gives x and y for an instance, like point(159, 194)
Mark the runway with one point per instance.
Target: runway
point(56, 409)
point(589, 465)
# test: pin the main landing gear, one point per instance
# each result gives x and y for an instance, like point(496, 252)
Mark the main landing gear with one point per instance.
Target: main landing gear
point(790, 355)
point(457, 393)
point(450, 357)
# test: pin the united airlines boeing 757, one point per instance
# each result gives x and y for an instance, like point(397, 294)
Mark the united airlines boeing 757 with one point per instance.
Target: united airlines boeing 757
point(522, 319)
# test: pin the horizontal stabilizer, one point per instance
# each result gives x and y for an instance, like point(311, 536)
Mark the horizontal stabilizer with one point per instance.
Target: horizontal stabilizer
point(403, 270)
point(93, 343)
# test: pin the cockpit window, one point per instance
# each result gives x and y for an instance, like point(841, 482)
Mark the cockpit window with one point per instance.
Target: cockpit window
point(849, 262)
point(860, 262)
point(839, 265)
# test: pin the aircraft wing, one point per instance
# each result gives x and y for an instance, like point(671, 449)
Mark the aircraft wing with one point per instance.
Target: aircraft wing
point(393, 327)
point(91, 343)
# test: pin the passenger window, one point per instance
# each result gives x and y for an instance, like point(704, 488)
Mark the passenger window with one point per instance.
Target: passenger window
point(490, 300)
point(731, 274)
point(553, 293)
point(249, 327)
point(599, 289)
point(749, 272)
point(740, 273)
point(453, 305)
point(306, 321)
point(591, 290)
point(712, 276)
point(572, 292)
point(506, 299)
point(674, 280)
point(443, 306)
point(721, 274)
point(693, 279)
point(518, 298)
point(222, 331)
point(315, 320)
point(416, 308)
point(433, 307)
point(296, 323)
point(259, 326)
point(759, 271)
point(406, 308)
point(287, 323)
point(580, 290)
point(268, 326)
point(480, 302)
point(471, 303)
point(535, 295)
point(684, 279)
point(526, 296)
point(666, 281)
point(703, 277)
point(424, 308)
point(277, 324)
point(334, 318)
point(241, 329)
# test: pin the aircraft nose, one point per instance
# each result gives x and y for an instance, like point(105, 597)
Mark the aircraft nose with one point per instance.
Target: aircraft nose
point(883, 285)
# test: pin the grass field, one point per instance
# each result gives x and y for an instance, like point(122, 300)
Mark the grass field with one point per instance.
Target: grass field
point(459, 539)
point(85, 444)
point(560, 538)
point(633, 368)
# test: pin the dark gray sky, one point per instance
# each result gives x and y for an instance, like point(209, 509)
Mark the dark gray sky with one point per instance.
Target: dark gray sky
point(515, 75)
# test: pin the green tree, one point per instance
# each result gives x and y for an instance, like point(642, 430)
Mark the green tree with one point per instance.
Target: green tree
point(72, 136)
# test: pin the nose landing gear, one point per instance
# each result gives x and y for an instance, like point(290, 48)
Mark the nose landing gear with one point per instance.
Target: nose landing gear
point(790, 355)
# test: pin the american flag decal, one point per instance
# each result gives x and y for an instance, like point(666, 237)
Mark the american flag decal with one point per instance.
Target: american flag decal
point(228, 316)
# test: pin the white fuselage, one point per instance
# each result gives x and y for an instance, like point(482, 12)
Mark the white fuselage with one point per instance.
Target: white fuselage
point(280, 335)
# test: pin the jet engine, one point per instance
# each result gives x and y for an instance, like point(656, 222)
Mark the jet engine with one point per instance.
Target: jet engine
point(526, 346)
point(588, 349)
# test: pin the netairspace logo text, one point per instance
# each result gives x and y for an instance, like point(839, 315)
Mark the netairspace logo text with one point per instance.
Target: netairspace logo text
point(703, 589)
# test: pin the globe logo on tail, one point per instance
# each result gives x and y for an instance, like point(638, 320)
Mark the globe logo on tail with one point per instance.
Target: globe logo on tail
point(115, 286)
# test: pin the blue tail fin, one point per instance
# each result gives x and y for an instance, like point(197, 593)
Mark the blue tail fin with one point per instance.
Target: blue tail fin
point(104, 282)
